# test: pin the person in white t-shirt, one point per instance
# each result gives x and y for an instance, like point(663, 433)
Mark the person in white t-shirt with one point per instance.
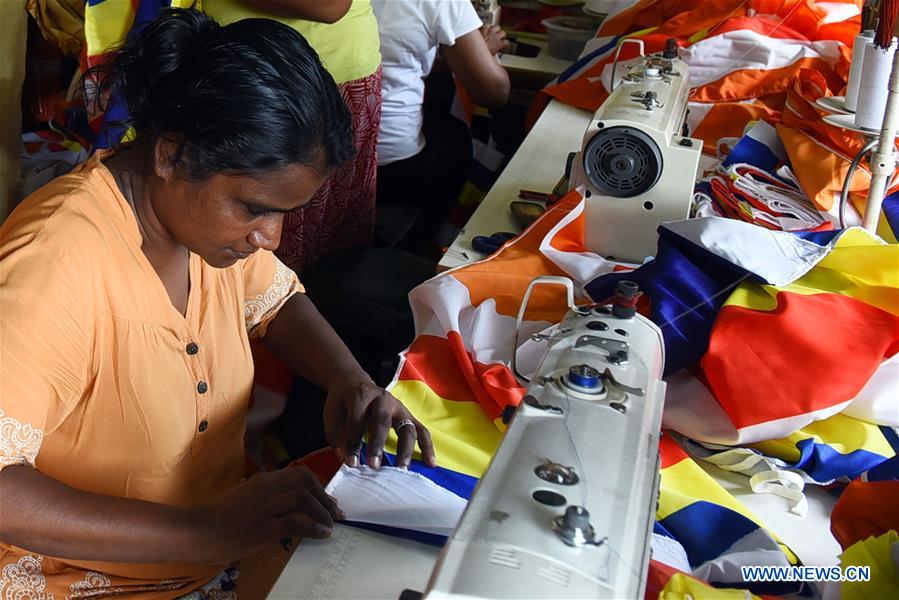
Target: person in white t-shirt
point(423, 162)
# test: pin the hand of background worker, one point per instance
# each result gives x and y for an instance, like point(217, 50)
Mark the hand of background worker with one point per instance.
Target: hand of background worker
point(264, 509)
point(495, 38)
point(356, 406)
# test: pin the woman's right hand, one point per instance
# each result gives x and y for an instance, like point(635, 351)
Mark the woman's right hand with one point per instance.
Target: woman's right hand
point(289, 503)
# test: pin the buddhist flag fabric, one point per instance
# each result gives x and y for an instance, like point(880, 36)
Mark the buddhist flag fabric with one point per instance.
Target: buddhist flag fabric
point(794, 427)
point(107, 23)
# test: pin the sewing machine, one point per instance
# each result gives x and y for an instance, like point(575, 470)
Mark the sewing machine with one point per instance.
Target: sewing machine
point(566, 507)
point(636, 163)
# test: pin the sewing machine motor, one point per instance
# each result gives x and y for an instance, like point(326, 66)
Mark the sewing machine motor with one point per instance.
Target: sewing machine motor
point(637, 164)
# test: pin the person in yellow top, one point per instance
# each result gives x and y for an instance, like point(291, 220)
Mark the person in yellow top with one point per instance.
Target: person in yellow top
point(344, 33)
point(129, 290)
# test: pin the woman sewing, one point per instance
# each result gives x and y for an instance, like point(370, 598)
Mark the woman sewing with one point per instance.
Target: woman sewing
point(129, 291)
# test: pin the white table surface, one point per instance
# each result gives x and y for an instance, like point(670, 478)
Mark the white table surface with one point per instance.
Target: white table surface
point(537, 165)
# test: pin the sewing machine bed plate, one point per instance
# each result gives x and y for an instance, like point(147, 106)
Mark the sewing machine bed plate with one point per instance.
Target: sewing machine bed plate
point(355, 564)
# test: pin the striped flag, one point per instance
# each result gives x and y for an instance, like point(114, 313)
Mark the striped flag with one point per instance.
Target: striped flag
point(708, 277)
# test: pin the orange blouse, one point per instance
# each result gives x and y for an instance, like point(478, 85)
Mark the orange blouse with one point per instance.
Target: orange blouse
point(105, 386)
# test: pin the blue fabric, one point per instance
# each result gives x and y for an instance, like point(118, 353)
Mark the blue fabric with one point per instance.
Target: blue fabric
point(822, 463)
point(707, 530)
point(686, 286)
point(888, 470)
point(116, 111)
point(431, 539)
point(890, 208)
point(751, 151)
point(822, 238)
point(584, 60)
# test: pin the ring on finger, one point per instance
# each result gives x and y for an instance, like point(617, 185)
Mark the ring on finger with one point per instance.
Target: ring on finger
point(405, 423)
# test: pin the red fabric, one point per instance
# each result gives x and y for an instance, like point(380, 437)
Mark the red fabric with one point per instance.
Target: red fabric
point(449, 370)
point(324, 463)
point(750, 349)
point(271, 372)
point(341, 215)
point(865, 509)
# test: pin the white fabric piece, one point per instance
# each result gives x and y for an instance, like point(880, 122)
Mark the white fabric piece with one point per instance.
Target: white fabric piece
point(411, 32)
point(726, 568)
point(778, 257)
point(796, 211)
point(685, 400)
point(713, 58)
point(837, 11)
point(582, 267)
point(669, 552)
point(876, 402)
point(396, 498)
point(784, 484)
point(443, 304)
point(780, 428)
point(720, 55)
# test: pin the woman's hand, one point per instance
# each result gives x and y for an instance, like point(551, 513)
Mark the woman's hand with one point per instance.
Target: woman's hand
point(355, 406)
point(266, 508)
point(495, 38)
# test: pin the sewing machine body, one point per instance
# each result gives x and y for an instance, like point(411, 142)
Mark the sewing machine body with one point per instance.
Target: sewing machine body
point(508, 543)
point(636, 163)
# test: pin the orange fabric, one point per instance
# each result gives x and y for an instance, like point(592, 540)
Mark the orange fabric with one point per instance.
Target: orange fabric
point(97, 386)
point(865, 509)
point(519, 256)
point(820, 153)
point(729, 119)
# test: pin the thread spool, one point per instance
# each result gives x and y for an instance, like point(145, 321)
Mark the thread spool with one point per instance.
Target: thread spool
point(872, 88)
point(862, 41)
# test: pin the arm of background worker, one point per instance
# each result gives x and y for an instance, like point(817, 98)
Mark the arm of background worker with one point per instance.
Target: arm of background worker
point(324, 11)
point(472, 62)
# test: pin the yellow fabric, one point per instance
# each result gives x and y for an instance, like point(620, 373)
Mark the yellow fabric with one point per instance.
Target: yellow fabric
point(684, 587)
point(685, 482)
point(474, 437)
point(350, 49)
point(878, 554)
point(97, 388)
point(840, 432)
point(859, 266)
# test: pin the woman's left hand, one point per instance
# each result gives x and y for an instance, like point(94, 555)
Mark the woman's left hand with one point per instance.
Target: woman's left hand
point(357, 405)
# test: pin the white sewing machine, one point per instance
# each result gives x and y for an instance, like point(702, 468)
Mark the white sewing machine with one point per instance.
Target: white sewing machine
point(636, 162)
point(566, 507)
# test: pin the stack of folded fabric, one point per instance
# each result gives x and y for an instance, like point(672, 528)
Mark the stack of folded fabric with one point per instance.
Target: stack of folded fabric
point(753, 185)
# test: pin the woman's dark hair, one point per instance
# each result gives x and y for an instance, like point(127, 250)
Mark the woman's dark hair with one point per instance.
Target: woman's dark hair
point(243, 98)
